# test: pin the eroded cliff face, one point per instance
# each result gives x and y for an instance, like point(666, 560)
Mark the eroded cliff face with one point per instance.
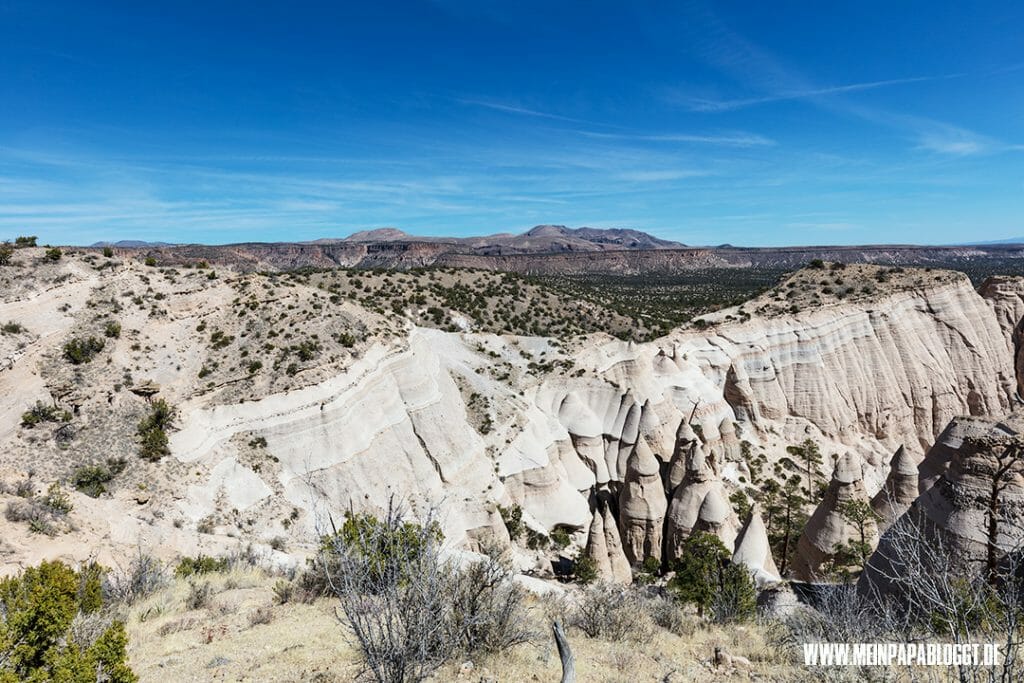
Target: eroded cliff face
point(655, 429)
point(971, 505)
point(642, 441)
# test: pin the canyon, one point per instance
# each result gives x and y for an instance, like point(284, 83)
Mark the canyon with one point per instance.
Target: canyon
point(624, 448)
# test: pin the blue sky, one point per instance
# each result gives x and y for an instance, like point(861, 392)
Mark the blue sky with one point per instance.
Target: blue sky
point(748, 123)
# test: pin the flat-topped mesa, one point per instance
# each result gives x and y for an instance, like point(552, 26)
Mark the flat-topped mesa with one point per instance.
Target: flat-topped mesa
point(829, 527)
point(642, 506)
point(900, 489)
point(973, 459)
point(754, 550)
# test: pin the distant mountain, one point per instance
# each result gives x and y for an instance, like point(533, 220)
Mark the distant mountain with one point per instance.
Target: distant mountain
point(540, 239)
point(379, 235)
point(610, 238)
point(558, 250)
point(131, 244)
point(1008, 240)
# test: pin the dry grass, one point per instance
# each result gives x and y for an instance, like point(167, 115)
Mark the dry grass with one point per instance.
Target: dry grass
point(169, 642)
point(243, 635)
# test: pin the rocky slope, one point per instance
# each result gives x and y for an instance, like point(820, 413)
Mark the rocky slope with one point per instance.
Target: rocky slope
point(632, 445)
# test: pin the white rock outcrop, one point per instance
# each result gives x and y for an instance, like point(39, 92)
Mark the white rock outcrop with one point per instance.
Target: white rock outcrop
point(642, 505)
point(754, 551)
point(829, 527)
point(900, 489)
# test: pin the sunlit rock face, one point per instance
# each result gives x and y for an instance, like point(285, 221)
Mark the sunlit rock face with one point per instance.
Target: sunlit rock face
point(900, 489)
point(657, 427)
point(830, 527)
point(965, 467)
point(754, 550)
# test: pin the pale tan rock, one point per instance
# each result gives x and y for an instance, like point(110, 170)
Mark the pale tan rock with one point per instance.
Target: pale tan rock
point(953, 512)
point(605, 549)
point(621, 572)
point(642, 506)
point(828, 527)
point(699, 503)
point(900, 489)
point(754, 551)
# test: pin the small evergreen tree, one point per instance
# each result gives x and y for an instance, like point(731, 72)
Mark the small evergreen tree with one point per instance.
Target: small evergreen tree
point(37, 608)
point(706, 577)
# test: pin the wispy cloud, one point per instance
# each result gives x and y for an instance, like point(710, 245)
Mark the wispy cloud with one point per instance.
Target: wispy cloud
point(653, 176)
point(730, 140)
point(524, 111)
point(715, 105)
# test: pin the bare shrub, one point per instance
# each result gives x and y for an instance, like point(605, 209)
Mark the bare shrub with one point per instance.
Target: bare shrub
point(917, 588)
point(612, 612)
point(88, 627)
point(393, 588)
point(199, 594)
point(667, 614)
point(143, 576)
point(284, 592)
point(409, 608)
point(489, 607)
point(261, 615)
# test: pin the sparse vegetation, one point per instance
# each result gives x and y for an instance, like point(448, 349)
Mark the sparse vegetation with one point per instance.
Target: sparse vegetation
point(410, 610)
point(41, 412)
point(152, 431)
point(92, 480)
point(706, 577)
point(200, 564)
point(82, 350)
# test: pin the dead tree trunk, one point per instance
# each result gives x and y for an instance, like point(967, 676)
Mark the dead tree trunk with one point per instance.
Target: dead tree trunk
point(565, 654)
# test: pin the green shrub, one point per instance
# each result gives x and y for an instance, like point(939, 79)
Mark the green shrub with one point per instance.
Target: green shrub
point(513, 519)
point(53, 254)
point(42, 412)
point(112, 329)
point(200, 564)
point(152, 431)
point(11, 327)
point(56, 501)
point(150, 261)
point(364, 536)
point(560, 538)
point(108, 252)
point(706, 577)
point(585, 570)
point(22, 241)
point(92, 479)
point(37, 609)
point(78, 351)
point(6, 253)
